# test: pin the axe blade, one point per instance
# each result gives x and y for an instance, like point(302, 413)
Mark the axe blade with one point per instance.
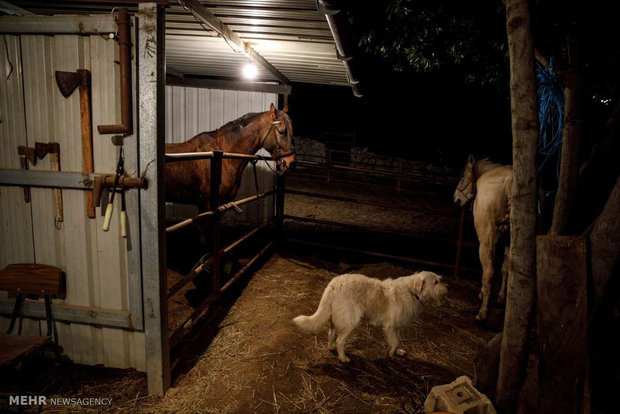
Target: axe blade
point(67, 82)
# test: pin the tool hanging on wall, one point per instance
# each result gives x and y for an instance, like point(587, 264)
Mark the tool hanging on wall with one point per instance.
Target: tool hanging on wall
point(120, 171)
point(67, 82)
point(53, 149)
point(26, 154)
point(124, 48)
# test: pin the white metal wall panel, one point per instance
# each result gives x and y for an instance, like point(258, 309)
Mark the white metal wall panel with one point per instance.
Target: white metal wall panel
point(15, 217)
point(190, 111)
point(95, 262)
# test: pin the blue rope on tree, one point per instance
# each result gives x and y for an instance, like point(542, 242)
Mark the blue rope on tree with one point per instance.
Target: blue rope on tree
point(550, 115)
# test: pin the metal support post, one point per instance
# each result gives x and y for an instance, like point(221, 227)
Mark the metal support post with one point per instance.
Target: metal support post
point(151, 81)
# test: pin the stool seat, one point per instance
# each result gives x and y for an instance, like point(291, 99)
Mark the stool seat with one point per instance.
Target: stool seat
point(13, 347)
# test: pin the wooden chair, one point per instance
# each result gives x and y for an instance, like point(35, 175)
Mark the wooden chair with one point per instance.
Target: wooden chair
point(33, 280)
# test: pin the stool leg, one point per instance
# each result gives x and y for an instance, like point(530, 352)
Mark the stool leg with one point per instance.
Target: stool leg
point(48, 314)
point(18, 303)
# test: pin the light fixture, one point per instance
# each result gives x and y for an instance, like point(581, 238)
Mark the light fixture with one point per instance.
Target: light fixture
point(250, 71)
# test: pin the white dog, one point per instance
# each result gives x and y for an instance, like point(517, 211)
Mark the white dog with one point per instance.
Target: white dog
point(390, 304)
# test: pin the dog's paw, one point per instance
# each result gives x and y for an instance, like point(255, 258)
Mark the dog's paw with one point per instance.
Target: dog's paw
point(344, 358)
point(401, 352)
point(331, 347)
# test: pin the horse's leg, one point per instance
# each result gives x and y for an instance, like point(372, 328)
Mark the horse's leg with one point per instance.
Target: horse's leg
point(202, 226)
point(487, 256)
point(502, 290)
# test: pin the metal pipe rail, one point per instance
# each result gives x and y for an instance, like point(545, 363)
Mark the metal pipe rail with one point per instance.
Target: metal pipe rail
point(349, 200)
point(221, 209)
point(216, 158)
point(226, 250)
point(190, 156)
point(187, 325)
point(377, 254)
point(386, 232)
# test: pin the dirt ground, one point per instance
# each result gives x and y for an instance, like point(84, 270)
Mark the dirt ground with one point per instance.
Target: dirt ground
point(255, 361)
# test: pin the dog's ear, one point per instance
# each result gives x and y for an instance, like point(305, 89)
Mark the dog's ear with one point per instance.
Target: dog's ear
point(418, 285)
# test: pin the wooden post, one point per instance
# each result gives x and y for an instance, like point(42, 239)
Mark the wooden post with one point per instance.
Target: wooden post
point(562, 315)
point(150, 79)
point(605, 244)
point(522, 274)
point(459, 244)
point(214, 203)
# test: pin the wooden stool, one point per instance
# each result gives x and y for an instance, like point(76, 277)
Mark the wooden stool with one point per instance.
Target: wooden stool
point(34, 280)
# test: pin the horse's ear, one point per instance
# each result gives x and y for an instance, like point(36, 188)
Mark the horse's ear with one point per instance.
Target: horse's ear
point(471, 159)
point(272, 109)
point(285, 110)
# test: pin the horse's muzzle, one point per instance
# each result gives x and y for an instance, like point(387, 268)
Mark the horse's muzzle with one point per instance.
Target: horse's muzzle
point(289, 162)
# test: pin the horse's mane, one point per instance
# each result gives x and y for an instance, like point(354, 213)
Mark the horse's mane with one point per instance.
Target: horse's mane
point(484, 165)
point(241, 121)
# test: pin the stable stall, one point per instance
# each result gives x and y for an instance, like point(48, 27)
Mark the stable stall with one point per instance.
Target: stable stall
point(70, 141)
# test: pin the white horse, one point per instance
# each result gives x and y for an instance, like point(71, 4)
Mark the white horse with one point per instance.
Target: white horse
point(491, 186)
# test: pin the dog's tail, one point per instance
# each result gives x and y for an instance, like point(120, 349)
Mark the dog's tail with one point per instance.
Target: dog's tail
point(313, 323)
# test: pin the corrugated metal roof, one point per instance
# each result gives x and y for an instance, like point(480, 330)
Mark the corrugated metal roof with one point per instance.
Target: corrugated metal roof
point(291, 34)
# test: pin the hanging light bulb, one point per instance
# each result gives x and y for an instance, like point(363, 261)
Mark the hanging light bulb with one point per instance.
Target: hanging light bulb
point(250, 71)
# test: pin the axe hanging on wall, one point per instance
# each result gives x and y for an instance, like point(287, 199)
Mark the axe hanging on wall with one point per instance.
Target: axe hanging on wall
point(26, 154)
point(67, 82)
point(53, 149)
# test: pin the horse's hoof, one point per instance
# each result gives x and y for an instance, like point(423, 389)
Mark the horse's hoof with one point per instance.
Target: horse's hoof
point(481, 317)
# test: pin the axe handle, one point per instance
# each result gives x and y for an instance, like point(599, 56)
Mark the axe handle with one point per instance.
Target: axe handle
point(60, 215)
point(97, 187)
point(87, 142)
point(24, 164)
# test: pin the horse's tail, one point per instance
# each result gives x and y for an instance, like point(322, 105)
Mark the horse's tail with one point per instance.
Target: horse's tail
point(313, 323)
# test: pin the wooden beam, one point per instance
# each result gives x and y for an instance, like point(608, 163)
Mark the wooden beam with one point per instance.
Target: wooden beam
point(203, 15)
point(61, 24)
point(229, 85)
point(74, 314)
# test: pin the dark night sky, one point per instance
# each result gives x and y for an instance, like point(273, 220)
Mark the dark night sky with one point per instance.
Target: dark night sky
point(424, 117)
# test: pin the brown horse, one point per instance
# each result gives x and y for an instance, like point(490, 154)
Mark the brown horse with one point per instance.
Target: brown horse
point(490, 184)
point(188, 181)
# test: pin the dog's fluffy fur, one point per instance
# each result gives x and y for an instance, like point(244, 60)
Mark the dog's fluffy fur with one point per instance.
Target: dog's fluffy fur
point(390, 304)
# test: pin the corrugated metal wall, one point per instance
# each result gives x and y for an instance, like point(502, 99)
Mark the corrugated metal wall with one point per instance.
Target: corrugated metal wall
point(33, 110)
point(190, 111)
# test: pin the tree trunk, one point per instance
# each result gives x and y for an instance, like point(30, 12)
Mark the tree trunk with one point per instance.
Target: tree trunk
point(571, 145)
point(562, 312)
point(522, 273)
point(605, 243)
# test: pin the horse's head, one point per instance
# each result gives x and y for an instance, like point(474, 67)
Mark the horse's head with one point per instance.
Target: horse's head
point(466, 189)
point(279, 141)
